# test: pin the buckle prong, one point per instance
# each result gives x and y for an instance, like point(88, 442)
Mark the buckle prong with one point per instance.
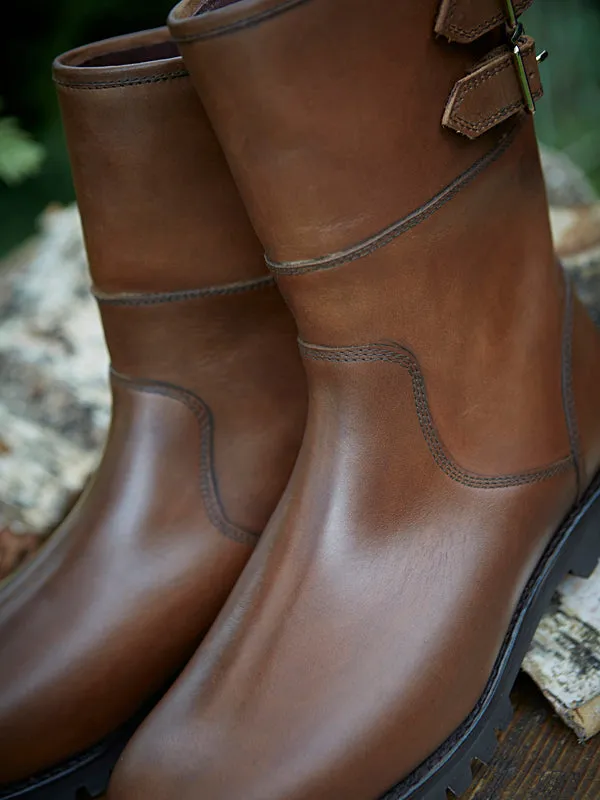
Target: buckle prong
point(511, 12)
point(523, 79)
point(515, 32)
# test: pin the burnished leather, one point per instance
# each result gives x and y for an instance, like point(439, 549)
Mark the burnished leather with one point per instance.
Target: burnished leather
point(454, 383)
point(492, 93)
point(209, 408)
point(464, 21)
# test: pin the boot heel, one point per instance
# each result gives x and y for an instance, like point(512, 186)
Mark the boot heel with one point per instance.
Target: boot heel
point(587, 555)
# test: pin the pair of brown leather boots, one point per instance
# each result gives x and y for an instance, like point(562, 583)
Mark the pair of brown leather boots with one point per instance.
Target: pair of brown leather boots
point(448, 470)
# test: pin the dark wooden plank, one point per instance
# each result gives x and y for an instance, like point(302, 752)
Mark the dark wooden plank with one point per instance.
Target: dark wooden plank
point(539, 757)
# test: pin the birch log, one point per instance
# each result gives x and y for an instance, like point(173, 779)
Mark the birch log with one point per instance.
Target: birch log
point(564, 659)
point(54, 398)
point(55, 409)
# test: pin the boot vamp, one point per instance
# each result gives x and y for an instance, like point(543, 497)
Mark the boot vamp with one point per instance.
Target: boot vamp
point(120, 596)
point(367, 624)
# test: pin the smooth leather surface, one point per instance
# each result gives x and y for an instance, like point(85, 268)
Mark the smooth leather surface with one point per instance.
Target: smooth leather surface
point(209, 409)
point(150, 176)
point(445, 436)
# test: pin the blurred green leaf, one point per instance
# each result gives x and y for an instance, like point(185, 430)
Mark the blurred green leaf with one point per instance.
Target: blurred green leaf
point(20, 155)
point(568, 117)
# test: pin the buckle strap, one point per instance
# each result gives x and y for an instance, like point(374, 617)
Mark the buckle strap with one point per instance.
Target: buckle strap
point(465, 21)
point(495, 90)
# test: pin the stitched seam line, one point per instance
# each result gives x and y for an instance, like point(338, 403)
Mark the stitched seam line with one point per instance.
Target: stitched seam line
point(567, 388)
point(90, 85)
point(415, 218)
point(208, 482)
point(478, 30)
point(140, 299)
point(488, 122)
point(394, 353)
point(472, 86)
point(243, 24)
point(505, 112)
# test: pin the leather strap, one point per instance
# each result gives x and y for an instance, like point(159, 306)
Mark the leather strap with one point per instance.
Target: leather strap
point(492, 93)
point(464, 21)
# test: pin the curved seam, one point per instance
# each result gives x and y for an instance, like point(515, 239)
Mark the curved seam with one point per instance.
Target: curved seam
point(208, 481)
point(243, 24)
point(156, 298)
point(568, 395)
point(396, 354)
point(397, 229)
point(167, 76)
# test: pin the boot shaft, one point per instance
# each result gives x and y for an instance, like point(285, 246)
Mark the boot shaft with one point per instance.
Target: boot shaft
point(159, 208)
point(370, 209)
point(332, 117)
point(178, 271)
point(394, 178)
point(187, 302)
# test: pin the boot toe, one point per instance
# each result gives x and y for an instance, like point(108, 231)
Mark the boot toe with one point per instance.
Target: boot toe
point(165, 763)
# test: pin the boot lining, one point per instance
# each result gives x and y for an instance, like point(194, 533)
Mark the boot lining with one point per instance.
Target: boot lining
point(136, 55)
point(213, 5)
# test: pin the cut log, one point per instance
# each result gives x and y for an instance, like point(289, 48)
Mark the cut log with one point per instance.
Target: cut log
point(54, 398)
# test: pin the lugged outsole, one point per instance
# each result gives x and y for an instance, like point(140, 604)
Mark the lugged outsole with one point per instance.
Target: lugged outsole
point(574, 549)
point(82, 777)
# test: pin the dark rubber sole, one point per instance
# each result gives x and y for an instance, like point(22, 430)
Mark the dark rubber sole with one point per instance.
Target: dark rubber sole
point(574, 549)
point(83, 776)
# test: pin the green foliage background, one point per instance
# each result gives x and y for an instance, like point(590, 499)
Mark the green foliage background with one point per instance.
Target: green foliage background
point(568, 118)
point(27, 50)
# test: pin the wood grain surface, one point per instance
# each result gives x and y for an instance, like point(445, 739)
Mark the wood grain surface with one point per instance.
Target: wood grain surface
point(539, 757)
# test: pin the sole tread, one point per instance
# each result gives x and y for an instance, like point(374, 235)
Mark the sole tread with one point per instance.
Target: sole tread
point(575, 549)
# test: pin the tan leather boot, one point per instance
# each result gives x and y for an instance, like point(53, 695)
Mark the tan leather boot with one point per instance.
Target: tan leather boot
point(448, 477)
point(209, 409)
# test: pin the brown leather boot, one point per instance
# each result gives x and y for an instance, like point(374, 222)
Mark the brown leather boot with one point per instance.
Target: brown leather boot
point(209, 410)
point(449, 473)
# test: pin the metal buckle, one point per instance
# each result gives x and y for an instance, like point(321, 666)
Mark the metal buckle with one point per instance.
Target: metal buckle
point(515, 32)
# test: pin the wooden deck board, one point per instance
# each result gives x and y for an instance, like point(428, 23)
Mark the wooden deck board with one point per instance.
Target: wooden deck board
point(539, 757)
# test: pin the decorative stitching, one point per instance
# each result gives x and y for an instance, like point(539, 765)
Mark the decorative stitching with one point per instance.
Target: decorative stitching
point(392, 232)
point(469, 86)
point(150, 299)
point(243, 24)
point(493, 120)
point(208, 481)
point(396, 354)
point(567, 388)
point(167, 76)
point(478, 30)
